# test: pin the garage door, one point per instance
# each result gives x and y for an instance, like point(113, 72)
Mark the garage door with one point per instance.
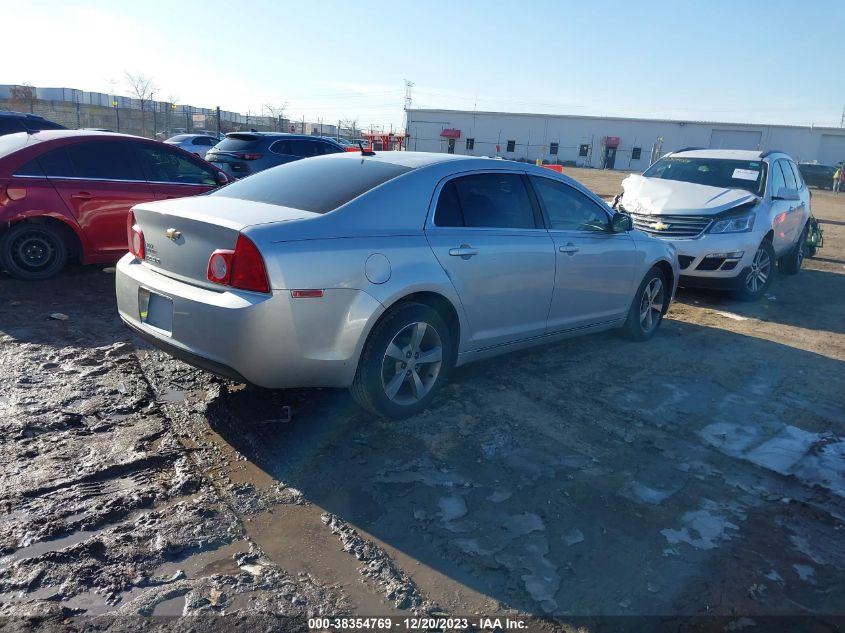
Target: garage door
point(831, 149)
point(735, 139)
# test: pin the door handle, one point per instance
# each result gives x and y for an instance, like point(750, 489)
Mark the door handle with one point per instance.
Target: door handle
point(465, 251)
point(569, 249)
point(81, 195)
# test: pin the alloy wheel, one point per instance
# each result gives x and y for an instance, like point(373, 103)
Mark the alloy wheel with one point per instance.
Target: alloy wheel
point(761, 268)
point(412, 363)
point(651, 305)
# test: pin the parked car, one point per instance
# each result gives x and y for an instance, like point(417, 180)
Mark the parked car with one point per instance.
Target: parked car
point(67, 193)
point(382, 272)
point(197, 144)
point(13, 122)
point(730, 213)
point(243, 153)
point(816, 175)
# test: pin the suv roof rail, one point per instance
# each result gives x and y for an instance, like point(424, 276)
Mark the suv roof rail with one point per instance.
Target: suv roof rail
point(771, 151)
point(686, 149)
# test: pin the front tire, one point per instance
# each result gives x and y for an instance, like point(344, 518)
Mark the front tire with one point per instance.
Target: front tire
point(755, 281)
point(646, 312)
point(33, 252)
point(790, 264)
point(407, 358)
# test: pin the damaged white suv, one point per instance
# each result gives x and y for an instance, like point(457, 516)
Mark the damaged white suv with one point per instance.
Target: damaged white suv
point(730, 213)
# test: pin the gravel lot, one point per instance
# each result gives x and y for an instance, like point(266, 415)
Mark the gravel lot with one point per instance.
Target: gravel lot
point(700, 473)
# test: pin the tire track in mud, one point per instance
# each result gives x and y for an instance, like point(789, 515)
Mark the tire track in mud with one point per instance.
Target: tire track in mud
point(282, 524)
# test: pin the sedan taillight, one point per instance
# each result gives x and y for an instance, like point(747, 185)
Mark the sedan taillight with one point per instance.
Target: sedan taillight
point(135, 237)
point(242, 268)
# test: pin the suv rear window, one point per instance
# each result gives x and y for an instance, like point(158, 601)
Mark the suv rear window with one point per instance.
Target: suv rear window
point(317, 185)
point(238, 142)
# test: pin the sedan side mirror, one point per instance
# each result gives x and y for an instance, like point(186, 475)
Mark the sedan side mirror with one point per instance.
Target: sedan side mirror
point(786, 193)
point(221, 178)
point(620, 223)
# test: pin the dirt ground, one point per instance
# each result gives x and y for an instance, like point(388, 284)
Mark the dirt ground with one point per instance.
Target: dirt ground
point(702, 473)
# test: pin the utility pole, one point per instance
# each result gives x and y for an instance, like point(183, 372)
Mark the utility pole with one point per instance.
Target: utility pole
point(409, 85)
point(842, 120)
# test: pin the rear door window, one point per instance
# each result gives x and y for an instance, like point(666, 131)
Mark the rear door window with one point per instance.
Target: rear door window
point(102, 160)
point(778, 180)
point(8, 125)
point(304, 148)
point(788, 176)
point(799, 180)
point(282, 147)
point(163, 164)
point(494, 200)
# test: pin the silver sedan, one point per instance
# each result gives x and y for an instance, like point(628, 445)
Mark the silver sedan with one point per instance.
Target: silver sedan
point(383, 272)
point(197, 144)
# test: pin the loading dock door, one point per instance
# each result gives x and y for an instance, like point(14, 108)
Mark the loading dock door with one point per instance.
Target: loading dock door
point(735, 139)
point(831, 149)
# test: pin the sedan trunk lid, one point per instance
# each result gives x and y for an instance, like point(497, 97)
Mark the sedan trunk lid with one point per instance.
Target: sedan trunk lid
point(182, 234)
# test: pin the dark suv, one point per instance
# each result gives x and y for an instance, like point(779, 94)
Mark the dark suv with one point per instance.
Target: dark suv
point(815, 175)
point(12, 122)
point(243, 153)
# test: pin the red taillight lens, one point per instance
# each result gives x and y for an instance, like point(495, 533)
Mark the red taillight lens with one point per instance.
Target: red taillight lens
point(135, 237)
point(246, 156)
point(241, 268)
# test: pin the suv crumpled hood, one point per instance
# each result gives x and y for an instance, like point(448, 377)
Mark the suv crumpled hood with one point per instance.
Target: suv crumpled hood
point(673, 197)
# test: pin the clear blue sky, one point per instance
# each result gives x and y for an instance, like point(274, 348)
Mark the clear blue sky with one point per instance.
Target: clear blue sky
point(757, 61)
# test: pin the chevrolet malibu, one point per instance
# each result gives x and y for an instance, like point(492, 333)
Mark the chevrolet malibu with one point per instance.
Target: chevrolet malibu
point(382, 273)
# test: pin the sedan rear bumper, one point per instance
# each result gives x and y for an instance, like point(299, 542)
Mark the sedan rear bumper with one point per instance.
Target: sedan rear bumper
point(269, 340)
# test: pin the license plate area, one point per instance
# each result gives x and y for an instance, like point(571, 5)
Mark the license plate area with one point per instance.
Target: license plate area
point(155, 310)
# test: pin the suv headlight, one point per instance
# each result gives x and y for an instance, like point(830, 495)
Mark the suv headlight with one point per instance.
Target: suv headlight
point(734, 224)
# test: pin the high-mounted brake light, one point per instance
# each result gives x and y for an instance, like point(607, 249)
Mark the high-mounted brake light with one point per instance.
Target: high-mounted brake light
point(241, 268)
point(135, 237)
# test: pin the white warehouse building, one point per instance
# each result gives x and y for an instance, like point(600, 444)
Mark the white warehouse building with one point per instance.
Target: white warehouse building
point(606, 142)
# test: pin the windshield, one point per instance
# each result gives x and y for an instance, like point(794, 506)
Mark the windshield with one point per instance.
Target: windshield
point(713, 172)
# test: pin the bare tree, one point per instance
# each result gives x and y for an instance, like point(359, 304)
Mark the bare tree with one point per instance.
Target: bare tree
point(23, 94)
point(351, 127)
point(142, 88)
point(276, 112)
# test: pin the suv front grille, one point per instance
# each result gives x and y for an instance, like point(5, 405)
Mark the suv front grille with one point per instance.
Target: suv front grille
point(671, 226)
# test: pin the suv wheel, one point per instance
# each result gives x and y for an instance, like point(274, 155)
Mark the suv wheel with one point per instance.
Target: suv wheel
point(756, 279)
point(406, 359)
point(646, 311)
point(32, 252)
point(790, 264)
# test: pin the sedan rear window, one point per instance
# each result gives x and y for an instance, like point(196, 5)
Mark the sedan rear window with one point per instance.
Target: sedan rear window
point(318, 185)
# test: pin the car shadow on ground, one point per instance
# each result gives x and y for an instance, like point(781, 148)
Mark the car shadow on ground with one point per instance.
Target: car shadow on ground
point(811, 300)
point(596, 476)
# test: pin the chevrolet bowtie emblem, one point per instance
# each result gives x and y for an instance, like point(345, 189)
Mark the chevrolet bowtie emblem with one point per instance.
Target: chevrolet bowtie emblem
point(173, 234)
point(659, 226)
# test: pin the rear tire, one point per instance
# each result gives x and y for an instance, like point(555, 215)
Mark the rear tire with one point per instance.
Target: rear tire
point(33, 252)
point(790, 264)
point(755, 281)
point(646, 312)
point(407, 358)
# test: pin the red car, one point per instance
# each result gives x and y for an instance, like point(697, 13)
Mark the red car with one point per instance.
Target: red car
point(67, 193)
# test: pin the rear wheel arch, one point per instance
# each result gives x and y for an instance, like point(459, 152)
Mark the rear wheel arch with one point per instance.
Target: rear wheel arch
point(444, 307)
point(72, 240)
